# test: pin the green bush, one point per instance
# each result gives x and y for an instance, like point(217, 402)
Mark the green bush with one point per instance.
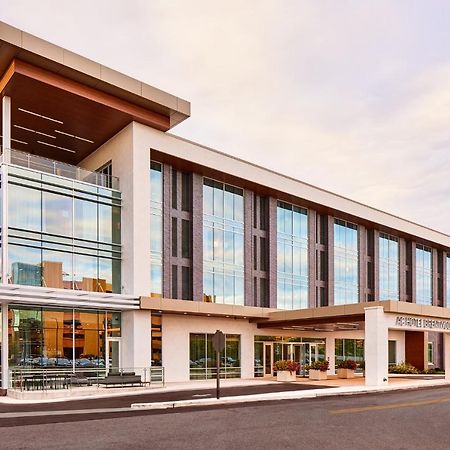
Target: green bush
point(347, 364)
point(404, 368)
point(318, 365)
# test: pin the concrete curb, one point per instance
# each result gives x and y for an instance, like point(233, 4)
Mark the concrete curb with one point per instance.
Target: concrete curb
point(287, 395)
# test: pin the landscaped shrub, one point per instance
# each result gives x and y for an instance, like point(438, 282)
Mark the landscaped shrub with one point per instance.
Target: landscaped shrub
point(404, 368)
point(347, 364)
point(284, 364)
point(319, 365)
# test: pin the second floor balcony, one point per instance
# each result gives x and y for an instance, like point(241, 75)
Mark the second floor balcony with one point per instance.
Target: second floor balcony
point(42, 164)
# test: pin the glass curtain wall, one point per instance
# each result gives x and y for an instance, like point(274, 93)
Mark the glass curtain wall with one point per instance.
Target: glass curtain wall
point(156, 228)
point(64, 338)
point(389, 267)
point(223, 243)
point(424, 294)
point(62, 233)
point(203, 357)
point(346, 257)
point(292, 257)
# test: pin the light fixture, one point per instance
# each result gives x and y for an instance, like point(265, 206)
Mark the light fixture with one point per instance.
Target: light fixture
point(16, 140)
point(40, 115)
point(56, 146)
point(74, 136)
point(35, 131)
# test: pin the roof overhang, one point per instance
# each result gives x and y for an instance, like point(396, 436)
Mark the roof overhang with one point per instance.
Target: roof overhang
point(33, 295)
point(62, 119)
point(15, 43)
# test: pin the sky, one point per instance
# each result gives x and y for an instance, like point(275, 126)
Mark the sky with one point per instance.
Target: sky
point(352, 96)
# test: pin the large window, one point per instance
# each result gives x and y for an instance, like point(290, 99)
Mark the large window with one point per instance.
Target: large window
point(62, 233)
point(292, 257)
point(223, 243)
point(349, 349)
point(156, 228)
point(389, 267)
point(346, 255)
point(202, 357)
point(64, 338)
point(424, 291)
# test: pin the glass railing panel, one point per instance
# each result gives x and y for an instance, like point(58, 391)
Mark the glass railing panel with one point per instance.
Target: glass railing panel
point(64, 170)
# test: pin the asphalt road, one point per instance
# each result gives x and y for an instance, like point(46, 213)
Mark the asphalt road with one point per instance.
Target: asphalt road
point(417, 419)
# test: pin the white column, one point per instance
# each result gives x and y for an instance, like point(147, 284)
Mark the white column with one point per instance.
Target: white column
point(5, 368)
point(247, 355)
point(447, 355)
point(136, 339)
point(330, 343)
point(376, 346)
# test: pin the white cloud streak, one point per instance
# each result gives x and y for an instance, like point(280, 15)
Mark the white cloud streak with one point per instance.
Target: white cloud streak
point(351, 96)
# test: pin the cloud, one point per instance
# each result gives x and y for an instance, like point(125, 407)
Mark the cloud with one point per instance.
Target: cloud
point(350, 96)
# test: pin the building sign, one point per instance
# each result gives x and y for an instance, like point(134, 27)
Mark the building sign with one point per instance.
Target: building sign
point(420, 322)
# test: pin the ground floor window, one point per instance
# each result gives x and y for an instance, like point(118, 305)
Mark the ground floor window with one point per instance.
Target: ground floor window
point(156, 340)
point(203, 357)
point(392, 352)
point(430, 353)
point(349, 349)
point(63, 338)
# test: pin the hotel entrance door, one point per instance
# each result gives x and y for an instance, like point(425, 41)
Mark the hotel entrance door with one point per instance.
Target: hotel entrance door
point(302, 352)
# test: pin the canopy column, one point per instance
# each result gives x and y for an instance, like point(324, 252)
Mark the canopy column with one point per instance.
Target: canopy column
point(376, 346)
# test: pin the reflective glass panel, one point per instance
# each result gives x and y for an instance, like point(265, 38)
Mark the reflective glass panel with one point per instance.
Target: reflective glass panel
point(292, 257)
point(346, 262)
point(24, 208)
point(57, 214)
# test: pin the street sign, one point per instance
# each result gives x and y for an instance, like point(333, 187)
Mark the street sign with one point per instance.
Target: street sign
point(218, 341)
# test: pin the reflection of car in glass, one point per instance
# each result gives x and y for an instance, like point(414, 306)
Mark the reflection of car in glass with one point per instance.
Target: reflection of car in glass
point(40, 361)
point(84, 362)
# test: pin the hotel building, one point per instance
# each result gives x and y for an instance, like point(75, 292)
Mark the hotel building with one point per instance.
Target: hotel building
point(123, 245)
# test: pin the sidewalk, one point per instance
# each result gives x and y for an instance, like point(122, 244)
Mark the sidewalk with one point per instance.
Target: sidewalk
point(396, 384)
point(200, 393)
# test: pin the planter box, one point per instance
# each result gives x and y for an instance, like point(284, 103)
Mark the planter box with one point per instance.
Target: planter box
point(345, 373)
point(285, 375)
point(317, 375)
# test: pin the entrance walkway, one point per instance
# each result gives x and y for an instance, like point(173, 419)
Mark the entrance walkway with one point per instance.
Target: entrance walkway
point(206, 388)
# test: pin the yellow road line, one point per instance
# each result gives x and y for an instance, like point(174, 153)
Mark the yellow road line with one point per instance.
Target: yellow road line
point(391, 406)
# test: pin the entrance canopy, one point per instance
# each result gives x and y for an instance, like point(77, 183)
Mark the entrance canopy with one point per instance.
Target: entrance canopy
point(348, 317)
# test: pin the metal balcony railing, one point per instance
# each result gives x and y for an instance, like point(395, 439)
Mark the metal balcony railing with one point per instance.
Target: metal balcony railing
point(61, 169)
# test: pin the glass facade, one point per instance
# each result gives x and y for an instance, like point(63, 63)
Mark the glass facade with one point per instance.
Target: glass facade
point(223, 243)
point(156, 229)
point(346, 258)
point(62, 233)
point(292, 257)
point(349, 349)
point(64, 338)
point(389, 267)
point(424, 291)
point(203, 357)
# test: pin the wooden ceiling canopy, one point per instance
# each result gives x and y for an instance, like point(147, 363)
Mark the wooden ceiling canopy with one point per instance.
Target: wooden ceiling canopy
point(62, 119)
